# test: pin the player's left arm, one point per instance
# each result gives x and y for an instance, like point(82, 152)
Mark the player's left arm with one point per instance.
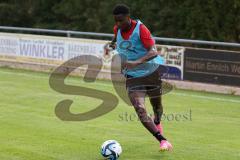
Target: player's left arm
point(149, 43)
point(152, 53)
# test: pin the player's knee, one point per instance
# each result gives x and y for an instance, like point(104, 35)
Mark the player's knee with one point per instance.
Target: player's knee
point(141, 112)
point(139, 105)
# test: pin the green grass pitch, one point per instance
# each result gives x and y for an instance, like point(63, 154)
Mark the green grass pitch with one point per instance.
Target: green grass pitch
point(29, 129)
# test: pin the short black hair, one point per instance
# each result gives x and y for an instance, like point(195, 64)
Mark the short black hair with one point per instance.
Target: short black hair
point(121, 9)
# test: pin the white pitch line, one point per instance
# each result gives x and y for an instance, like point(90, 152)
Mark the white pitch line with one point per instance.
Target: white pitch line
point(178, 94)
point(207, 97)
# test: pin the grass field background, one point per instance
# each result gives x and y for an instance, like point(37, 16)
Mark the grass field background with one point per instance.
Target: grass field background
point(29, 129)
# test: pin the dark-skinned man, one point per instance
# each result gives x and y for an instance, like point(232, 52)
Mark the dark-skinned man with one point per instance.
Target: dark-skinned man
point(141, 67)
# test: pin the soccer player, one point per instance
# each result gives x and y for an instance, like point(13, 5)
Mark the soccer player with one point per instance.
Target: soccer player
point(133, 40)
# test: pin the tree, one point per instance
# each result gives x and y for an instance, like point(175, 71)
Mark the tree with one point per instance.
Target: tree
point(205, 20)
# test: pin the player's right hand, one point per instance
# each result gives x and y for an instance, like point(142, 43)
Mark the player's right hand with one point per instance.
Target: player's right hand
point(108, 48)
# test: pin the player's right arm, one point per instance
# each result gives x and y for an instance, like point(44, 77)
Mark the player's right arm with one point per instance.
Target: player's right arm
point(112, 45)
point(114, 40)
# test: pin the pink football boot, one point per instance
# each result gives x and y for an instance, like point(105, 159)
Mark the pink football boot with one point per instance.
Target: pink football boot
point(165, 146)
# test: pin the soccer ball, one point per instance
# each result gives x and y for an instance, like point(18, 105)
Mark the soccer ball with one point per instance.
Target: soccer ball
point(111, 150)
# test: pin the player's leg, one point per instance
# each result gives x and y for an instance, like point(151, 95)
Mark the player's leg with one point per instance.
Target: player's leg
point(137, 99)
point(155, 92)
point(156, 103)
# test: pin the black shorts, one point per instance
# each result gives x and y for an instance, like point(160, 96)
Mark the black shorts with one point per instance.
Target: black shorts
point(151, 84)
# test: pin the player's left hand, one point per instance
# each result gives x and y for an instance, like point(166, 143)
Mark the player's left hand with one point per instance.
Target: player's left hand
point(131, 64)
